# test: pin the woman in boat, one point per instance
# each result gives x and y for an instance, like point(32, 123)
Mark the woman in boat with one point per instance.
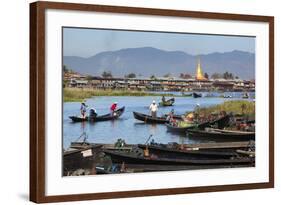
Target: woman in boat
point(113, 108)
point(153, 109)
point(163, 99)
point(83, 109)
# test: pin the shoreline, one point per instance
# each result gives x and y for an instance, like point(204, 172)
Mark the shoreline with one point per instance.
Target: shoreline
point(79, 94)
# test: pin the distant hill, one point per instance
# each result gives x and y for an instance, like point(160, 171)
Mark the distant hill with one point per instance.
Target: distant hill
point(147, 61)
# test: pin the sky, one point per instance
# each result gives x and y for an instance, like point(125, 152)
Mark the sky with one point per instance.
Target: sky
point(85, 42)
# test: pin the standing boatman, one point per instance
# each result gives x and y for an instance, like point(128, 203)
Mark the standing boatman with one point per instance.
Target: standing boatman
point(153, 109)
point(113, 108)
point(83, 109)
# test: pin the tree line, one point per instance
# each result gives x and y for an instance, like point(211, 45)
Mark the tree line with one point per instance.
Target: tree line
point(107, 74)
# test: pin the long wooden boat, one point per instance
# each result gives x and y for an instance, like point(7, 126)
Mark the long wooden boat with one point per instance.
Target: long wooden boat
point(219, 133)
point(132, 158)
point(197, 95)
point(98, 118)
point(157, 168)
point(83, 157)
point(168, 152)
point(220, 122)
point(245, 95)
point(195, 146)
point(186, 94)
point(172, 128)
point(169, 102)
point(149, 119)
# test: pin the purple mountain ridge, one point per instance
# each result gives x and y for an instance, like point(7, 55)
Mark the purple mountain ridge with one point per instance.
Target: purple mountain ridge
point(147, 61)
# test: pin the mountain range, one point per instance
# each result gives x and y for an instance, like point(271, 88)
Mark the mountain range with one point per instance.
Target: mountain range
point(147, 61)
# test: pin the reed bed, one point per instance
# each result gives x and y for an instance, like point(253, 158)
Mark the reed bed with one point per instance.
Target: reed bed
point(79, 94)
point(242, 107)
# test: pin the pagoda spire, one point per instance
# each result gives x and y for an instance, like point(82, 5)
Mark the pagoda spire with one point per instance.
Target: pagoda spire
point(199, 72)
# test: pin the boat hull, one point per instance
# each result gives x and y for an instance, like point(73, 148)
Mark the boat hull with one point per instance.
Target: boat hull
point(169, 102)
point(190, 154)
point(221, 135)
point(149, 119)
point(100, 118)
point(127, 158)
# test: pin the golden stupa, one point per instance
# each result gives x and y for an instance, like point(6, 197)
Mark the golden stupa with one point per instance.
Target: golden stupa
point(199, 72)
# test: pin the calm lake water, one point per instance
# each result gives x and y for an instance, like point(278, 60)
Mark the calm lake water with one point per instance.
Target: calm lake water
point(128, 128)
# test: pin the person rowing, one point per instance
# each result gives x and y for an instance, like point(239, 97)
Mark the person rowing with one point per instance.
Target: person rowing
point(83, 109)
point(163, 99)
point(171, 118)
point(113, 108)
point(153, 109)
point(170, 115)
point(93, 113)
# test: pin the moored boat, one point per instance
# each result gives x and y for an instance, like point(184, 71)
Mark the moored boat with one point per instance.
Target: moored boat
point(98, 118)
point(177, 152)
point(169, 102)
point(197, 95)
point(82, 157)
point(179, 129)
point(245, 95)
point(223, 134)
point(186, 94)
point(220, 123)
point(132, 158)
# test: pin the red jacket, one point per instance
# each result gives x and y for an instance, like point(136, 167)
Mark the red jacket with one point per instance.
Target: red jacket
point(113, 107)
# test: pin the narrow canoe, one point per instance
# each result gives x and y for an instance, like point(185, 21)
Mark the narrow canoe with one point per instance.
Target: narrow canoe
point(169, 102)
point(149, 119)
point(106, 117)
point(223, 134)
point(165, 151)
point(197, 95)
point(132, 158)
point(220, 122)
point(177, 129)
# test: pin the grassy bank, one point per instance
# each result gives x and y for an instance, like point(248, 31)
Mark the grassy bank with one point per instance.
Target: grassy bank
point(79, 94)
point(237, 107)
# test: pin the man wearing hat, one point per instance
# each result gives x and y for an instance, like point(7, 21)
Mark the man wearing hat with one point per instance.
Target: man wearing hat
point(153, 109)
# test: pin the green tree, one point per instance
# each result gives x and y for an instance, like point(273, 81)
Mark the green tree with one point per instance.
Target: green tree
point(228, 75)
point(65, 69)
point(106, 74)
point(216, 76)
point(167, 75)
point(185, 75)
point(206, 75)
point(89, 77)
point(152, 77)
point(130, 75)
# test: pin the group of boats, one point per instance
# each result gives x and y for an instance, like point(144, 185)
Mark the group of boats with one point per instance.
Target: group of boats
point(157, 157)
point(124, 158)
point(207, 128)
point(210, 129)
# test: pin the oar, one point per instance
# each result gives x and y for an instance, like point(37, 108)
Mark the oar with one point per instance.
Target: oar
point(148, 139)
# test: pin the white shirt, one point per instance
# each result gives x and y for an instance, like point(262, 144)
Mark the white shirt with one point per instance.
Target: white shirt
point(153, 107)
